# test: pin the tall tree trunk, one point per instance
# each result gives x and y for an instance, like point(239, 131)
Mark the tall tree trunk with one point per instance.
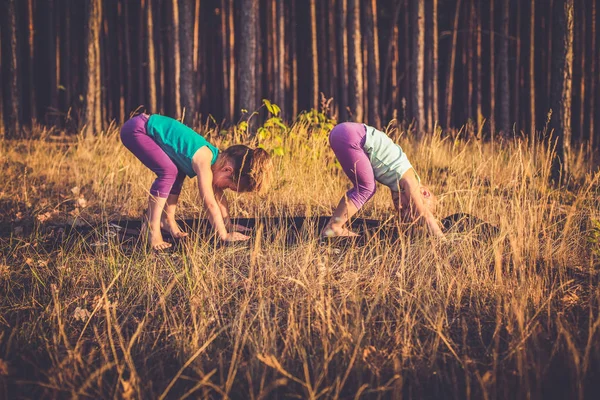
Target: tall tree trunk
point(294, 55)
point(49, 55)
point(418, 64)
point(450, 78)
point(10, 82)
point(435, 63)
point(479, 78)
point(468, 59)
point(562, 69)
point(593, 80)
point(175, 60)
point(504, 78)
point(390, 74)
point(582, 69)
point(122, 66)
point(280, 64)
point(314, 56)
point(92, 68)
point(355, 61)
point(331, 49)
point(248, 49)
point(224, 58)
point(342, 42)
point(151, 58)
point(186, 34)
point(231, 59)
point(532, 128)
point(518, 66)
point(31, 66)
point(372, 37)
point(129, 102)
point(492, 72)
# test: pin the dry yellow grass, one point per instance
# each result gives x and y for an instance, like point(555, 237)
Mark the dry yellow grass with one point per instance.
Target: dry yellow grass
point(514, 317)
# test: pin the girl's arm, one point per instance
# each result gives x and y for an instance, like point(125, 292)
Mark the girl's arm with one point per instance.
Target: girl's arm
point(412, 187)
point(224, 206)
point(201, 165)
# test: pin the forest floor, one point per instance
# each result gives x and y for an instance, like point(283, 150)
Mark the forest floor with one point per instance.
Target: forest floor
point(87, 311)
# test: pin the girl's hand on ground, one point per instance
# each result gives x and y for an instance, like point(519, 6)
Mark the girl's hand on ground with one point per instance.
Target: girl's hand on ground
point(235, 237)
point(240, 228)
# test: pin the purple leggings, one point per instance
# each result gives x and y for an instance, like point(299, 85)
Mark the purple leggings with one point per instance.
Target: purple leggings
point(347, 140)
point(169, 179)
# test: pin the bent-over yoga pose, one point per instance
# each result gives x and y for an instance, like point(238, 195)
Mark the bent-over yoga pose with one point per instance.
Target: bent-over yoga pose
point(173, 151)
point(368, 155)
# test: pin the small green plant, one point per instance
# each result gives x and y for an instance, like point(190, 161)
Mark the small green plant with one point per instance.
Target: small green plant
point(271, 133)
point(594, 237)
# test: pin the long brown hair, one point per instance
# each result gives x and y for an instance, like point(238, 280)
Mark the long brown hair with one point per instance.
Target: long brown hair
point(252, 168)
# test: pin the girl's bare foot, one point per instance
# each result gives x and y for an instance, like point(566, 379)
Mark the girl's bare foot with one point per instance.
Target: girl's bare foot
point(170, 225)
point(330, 231)
point(155, 238)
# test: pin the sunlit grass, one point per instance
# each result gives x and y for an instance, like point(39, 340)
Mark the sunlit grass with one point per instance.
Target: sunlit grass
point(471, 317)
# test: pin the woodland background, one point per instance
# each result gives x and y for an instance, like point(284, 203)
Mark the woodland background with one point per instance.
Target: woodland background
point(494, 66)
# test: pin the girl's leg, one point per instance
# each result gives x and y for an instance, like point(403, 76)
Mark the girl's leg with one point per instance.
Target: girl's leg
point(134, 137)
point(168, 218)
point(347, 140)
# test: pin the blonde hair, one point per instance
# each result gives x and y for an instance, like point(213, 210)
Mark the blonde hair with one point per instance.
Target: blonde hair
point(252, 168)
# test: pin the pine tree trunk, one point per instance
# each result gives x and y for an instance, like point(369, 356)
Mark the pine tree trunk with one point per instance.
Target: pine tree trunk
point(129, 102)
point(372, 38)
point(582, 67)
point(562, 69)
point(504, 78)
point(468, 58)
point(151, 58)
point(355, 62)
point(248, 49)
point(418, 64)
point(390, 74)
point(31, 43)
point(532, 128)
point(175, 60)
point(492, 72)
point(435, 63)
point(479, 79)
point(331, 48)
point(280, 44)
point(224, 58)
point(452, 63)
point(517, 79)
point(314, 56)
point(92, 117)
point(231, 59)
point(294, 56)
point(593, 80)
point(10, 80)
point(186, 41)
point(342, 43)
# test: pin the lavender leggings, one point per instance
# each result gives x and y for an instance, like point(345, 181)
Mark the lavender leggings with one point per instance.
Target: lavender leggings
point(347, 140)
point(169, 179)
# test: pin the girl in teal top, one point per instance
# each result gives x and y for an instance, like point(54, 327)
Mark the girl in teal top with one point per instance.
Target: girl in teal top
point(368, 155)
point(173, 151)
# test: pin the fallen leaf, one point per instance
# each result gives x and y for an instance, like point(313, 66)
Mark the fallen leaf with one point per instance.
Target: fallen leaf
point(3, 368)
point(81, 314)
point(81, 202)
point(75, 190)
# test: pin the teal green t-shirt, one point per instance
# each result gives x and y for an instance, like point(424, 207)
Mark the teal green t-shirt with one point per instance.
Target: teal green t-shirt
point(178, 141)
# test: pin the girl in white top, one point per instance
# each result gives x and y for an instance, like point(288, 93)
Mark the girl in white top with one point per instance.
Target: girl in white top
point(368, 155)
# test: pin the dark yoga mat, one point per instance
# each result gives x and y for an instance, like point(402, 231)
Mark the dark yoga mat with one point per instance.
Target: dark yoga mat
point(295, 229)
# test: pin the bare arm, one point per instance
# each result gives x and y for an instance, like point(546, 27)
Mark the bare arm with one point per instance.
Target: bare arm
point(411, 186)
point(202, 167)
point(223, 206)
